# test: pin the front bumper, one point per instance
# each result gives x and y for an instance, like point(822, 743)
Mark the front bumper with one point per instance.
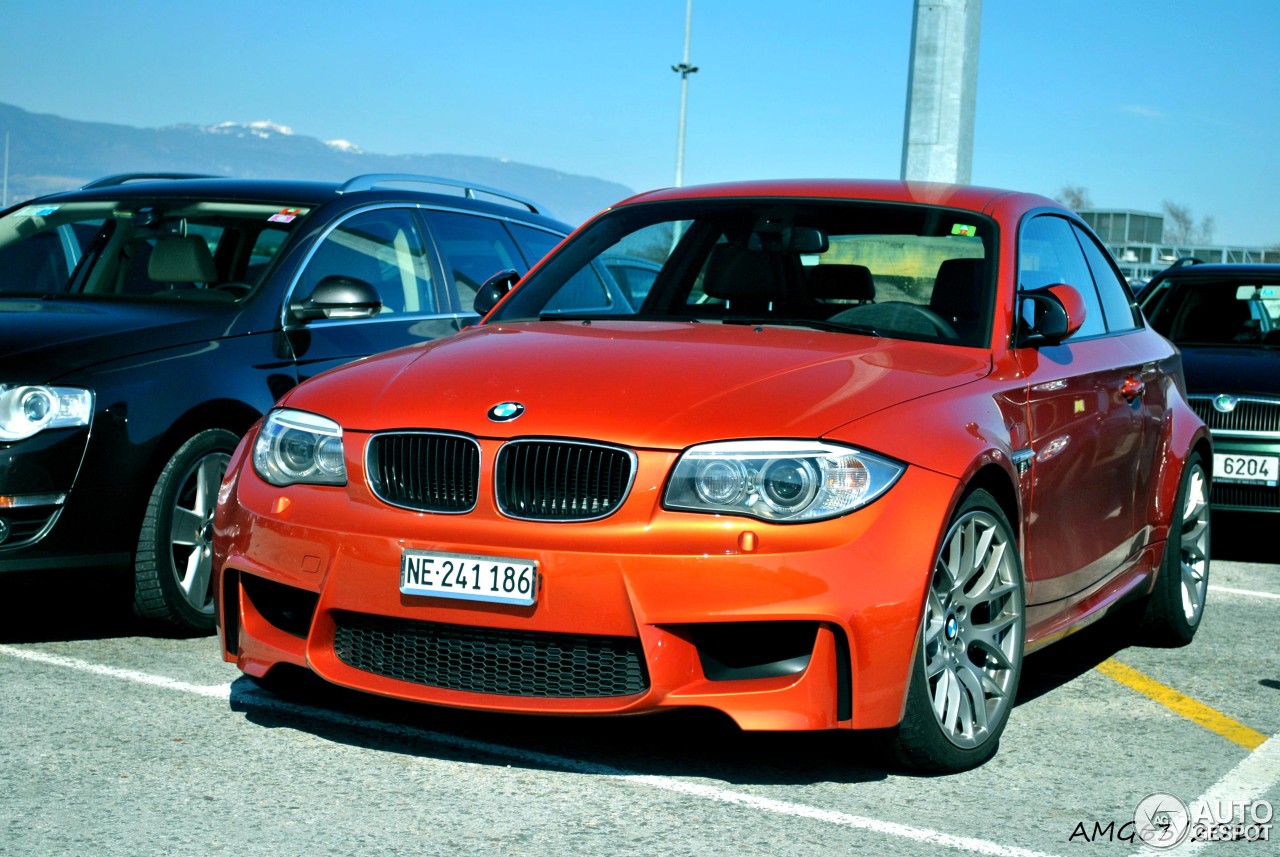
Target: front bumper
point(1239, 496)
point(809, 626)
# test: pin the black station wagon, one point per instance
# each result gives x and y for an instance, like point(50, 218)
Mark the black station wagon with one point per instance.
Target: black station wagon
point(146, 321)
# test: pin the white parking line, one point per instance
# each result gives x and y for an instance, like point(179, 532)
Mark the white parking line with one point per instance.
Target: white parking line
point(261, 699)
point(215, 691)
point(1247, 592)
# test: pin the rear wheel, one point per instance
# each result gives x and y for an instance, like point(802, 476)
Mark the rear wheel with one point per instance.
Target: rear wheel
point(174, 561)
point(965, 677)
point(1176, 604)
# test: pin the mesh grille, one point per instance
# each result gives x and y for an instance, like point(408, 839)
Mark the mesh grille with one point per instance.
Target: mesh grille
point(484, 660)
point(1256, 497)
point(27, 524)
point(425, 471)
point(547, 480)
point(1250, 416)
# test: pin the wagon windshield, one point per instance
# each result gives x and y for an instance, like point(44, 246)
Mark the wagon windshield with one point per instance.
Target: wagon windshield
point(894, 270)
point(167, 249)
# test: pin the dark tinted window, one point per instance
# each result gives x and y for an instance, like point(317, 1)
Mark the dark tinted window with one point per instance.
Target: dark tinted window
point(474, 249)
point(1208, 311)
point(384, 248)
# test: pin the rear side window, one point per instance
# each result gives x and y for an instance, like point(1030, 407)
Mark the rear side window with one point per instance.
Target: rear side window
point(1118, 307)
point(473, 249)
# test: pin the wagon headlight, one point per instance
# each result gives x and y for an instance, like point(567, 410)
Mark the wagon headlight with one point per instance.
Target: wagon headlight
point(295, 447)
point(778, 480)
point(29, 410)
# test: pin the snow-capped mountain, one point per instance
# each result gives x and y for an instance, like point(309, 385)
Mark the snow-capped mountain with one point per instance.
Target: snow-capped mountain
point(48, 153)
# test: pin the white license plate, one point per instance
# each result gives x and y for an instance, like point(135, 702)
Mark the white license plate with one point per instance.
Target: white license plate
point(469, 577)
point(1251, 469)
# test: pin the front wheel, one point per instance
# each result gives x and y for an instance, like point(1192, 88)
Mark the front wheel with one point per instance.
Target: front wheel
point(174, 561)
point(965, 678)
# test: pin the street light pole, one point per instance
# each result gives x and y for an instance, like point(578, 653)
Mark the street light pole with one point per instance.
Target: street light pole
point(684, 69)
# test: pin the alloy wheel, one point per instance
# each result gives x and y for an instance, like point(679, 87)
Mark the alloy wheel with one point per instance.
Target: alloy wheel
point(191, 530)
point(973, 630)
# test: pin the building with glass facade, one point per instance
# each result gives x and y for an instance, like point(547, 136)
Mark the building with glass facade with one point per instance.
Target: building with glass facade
point(1136, 239)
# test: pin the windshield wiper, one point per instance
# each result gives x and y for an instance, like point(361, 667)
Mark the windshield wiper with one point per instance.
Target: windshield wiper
point(816, 324)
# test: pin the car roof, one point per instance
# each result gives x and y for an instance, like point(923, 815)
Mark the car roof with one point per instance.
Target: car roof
point(390, 186)
point(1220, 269)
point(972, 197)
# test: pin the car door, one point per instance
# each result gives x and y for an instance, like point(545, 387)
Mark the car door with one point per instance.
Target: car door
point(384, 246)
point(1086, 420)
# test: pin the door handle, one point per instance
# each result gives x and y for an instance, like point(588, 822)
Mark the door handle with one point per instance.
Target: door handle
point(1132, 388)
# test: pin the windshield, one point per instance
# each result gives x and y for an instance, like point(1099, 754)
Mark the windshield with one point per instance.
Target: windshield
point(1217, 312)
point(201, 250)
point(885, 269)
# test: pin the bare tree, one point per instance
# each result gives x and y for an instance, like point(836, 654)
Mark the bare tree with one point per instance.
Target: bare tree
point(1180, 226)
point(1074, 197)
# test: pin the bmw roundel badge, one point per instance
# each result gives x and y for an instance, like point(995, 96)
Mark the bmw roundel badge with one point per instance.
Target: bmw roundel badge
point(505, 412)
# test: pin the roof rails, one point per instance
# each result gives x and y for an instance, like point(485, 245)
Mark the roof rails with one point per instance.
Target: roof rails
point(470, 189)
point(122, 178)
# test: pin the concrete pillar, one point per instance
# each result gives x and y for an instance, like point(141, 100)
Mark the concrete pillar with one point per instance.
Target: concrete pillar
point(942, 89)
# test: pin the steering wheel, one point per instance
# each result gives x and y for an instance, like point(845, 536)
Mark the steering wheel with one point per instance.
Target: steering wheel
point(238, 290)
point(899, 316)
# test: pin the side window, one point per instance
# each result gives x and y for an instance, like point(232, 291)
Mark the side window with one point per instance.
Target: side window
point(384, 248)
point(1120, 311)
point(534, 243)
point(1049, 254)
point(474, 248)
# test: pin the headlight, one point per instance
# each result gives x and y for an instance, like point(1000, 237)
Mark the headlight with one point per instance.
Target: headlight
point(778, 480)
point(25, 411)
point(297, 447)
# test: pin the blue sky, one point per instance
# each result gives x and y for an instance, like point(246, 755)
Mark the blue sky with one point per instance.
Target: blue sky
point(1137, 101)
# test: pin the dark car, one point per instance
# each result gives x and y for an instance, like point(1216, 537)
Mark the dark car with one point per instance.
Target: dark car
point(147, 321)
point(1226, 320)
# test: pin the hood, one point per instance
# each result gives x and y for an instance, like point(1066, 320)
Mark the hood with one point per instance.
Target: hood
point(42, 340)
point(646, 385)
point(1241, 371)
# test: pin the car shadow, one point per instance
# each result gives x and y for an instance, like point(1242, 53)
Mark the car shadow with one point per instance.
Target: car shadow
point(1244, 537)
point(43, 607)
point(1067, 660)
point(686, 743)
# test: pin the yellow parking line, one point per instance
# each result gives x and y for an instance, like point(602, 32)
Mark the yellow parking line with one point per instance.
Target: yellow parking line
point(1197, 712)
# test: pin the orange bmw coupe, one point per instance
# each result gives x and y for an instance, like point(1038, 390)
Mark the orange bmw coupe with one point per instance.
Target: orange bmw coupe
point(856, 450)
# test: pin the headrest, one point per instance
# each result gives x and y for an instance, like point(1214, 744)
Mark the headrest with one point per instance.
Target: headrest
point(182, 259)
point(841, 283)
point(735, 272)
point(960, 288)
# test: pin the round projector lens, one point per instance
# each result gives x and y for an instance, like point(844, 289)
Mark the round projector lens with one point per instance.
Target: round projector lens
point(37, 406)
point(788, 484)
point(296, 451)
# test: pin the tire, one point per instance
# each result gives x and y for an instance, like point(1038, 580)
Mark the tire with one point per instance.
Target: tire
point(965, 677)
point(174, 563)
point(1175, 606)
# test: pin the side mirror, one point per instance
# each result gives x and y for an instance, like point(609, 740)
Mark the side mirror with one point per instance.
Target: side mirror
point(1049, 315)
point(495, 289)
point(337, 296)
